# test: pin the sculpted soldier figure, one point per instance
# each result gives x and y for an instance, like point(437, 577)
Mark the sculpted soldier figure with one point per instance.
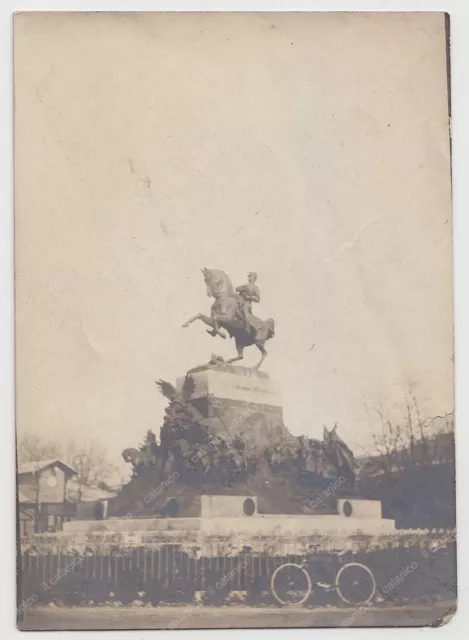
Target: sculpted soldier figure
point(232, 312)
point(249, 293)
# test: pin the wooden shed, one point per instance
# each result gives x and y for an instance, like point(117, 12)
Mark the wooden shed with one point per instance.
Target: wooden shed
point(42, 504)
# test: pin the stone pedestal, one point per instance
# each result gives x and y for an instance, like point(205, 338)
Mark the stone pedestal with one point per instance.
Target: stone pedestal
point(239, 400)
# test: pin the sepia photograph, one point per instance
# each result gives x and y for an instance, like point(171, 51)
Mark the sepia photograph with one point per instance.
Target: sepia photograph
point(233, 320)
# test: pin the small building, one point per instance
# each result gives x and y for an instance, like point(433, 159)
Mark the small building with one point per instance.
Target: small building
point(91, 501)
point(42, 504)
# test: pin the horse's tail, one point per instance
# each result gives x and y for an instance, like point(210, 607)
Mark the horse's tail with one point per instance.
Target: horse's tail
point(271, 326)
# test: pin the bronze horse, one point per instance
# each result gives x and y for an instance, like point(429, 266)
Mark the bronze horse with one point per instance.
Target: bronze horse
point(226, 314)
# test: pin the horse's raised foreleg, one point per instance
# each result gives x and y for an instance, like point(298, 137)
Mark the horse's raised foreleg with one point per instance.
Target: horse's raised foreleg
point(199, 316)
point(263, 350)
point(211, 321)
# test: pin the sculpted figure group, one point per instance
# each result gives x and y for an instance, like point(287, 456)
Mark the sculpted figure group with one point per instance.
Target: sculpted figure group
point(188, 447)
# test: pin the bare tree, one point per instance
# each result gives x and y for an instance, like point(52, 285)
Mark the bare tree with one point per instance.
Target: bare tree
point(409, 430)
point(32, 447)
point(423, 439)
point(389, 442)
point(88, 458)
point(412, 440)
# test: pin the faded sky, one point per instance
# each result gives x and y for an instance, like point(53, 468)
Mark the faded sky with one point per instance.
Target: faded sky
point(312, 149)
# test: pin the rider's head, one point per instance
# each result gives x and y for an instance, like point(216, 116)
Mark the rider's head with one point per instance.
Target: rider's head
point(252, 276)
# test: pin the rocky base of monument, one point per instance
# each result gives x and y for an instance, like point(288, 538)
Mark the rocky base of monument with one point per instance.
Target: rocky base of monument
point(223, 433)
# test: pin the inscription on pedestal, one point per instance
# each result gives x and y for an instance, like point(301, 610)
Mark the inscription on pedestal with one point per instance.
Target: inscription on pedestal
point(233, 386)
point(240, 401)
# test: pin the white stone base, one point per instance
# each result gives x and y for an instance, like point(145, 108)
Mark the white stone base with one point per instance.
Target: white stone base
point(256, 525)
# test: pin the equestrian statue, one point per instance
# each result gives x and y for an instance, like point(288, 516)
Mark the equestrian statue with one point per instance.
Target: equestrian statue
point(232, 311)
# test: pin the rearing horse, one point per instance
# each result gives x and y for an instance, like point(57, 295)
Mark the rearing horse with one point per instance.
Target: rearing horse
point(226, 314)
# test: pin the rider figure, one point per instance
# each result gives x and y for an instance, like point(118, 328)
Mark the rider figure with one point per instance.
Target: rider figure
point(249, 293)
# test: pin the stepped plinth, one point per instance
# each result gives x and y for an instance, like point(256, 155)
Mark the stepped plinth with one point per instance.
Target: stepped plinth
point(236, 400)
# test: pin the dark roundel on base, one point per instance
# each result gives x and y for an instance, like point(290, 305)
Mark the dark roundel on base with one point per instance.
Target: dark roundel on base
point(347, 509)
point(249, 506)
point(172, 508)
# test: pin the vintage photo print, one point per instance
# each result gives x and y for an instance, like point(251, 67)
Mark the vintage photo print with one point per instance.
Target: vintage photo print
point(234, 320)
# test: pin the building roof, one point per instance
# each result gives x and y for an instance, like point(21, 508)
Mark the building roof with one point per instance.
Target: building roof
point(88, 494)
point(39, 465)
point(24, 495)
